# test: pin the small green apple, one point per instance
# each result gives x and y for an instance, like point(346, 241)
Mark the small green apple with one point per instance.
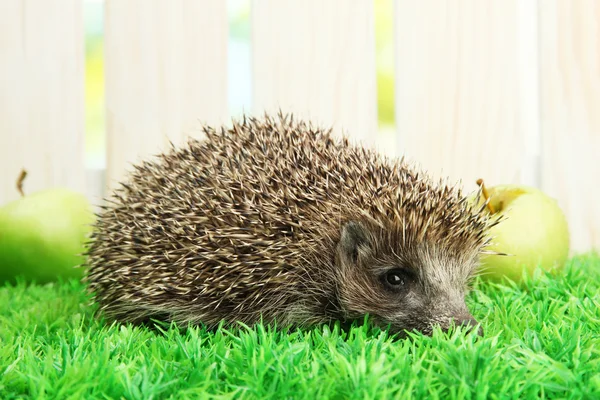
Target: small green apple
point(533, 233)
point(42, 235)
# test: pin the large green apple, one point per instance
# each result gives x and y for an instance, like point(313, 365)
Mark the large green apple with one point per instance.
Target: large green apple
point(533, 232)
point(42, 235)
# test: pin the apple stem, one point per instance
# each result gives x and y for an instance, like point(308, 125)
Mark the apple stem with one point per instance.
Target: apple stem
point(486, 195)
point(20, 180)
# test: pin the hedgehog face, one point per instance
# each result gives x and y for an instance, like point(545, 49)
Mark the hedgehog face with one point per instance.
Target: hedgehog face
point(405, 290)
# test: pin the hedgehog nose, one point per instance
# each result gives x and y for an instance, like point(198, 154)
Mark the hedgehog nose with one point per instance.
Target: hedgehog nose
point(469, 323)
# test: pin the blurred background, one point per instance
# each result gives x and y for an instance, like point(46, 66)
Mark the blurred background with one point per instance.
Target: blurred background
point(503, 90)
point(239, 89)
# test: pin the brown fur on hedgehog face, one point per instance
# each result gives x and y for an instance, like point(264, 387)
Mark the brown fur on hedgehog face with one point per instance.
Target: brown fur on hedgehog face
point(413, 288)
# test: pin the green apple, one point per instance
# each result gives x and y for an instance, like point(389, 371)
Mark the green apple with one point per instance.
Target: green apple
point(533, 233)
point(42, 235)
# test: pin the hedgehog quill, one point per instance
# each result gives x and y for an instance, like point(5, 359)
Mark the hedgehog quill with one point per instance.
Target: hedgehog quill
point(276, 220)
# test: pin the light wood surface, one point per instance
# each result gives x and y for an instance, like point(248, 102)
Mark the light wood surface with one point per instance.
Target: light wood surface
point(317, 59)
point(166, 75)
point(503, 90)
point(466, 89)
point(41, 95)
point(570, 113)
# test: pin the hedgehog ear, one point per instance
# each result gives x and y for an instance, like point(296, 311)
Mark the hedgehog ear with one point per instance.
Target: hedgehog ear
point(354, 241)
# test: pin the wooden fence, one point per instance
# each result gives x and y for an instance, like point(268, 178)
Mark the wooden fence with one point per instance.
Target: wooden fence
point(507, 90)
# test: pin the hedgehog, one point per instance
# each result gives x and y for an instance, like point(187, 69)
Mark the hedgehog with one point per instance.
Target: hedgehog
point(276, 220)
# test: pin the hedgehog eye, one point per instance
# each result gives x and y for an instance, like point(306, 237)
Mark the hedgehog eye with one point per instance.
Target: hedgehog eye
point(395, 279)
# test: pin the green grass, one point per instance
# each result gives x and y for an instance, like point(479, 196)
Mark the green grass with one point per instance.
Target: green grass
point(541, 340)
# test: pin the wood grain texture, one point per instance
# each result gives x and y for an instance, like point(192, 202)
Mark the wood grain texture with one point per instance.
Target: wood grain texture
point(317, 59)
point(166, 75)
point(570, 93)
point(41, 95)
point(466, 89)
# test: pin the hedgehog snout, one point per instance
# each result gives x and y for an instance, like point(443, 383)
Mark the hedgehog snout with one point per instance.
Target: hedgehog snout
point(457, 316)
point(468, 323)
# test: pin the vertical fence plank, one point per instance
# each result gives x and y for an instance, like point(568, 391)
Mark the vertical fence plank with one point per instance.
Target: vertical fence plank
point(466, 104)
point(41, 95)
point(166, 74)
point(570, 93)
point(317, 59)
